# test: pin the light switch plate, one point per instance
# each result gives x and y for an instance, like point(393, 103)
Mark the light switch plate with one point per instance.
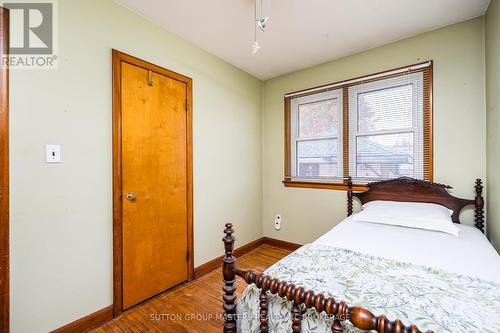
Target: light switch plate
point(53, 154)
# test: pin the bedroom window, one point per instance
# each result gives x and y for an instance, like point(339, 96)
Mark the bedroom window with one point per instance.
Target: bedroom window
point(370, 128)
point(317, 141)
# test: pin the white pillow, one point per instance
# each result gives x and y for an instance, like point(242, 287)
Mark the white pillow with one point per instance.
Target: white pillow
point(426, 216)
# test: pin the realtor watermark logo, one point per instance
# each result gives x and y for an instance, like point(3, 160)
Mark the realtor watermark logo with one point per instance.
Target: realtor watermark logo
point(33, 39)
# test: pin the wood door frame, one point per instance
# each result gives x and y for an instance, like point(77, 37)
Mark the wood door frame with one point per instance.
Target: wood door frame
point(4, 174)
point(117, 58)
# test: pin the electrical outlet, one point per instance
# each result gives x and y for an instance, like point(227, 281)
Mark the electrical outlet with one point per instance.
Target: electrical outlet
point(277, 222)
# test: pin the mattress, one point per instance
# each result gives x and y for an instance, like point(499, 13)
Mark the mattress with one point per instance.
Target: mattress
point(469, 254)
point(434, 280)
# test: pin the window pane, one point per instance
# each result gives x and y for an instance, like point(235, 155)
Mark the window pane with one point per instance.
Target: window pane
point(384, 156)
point(317, 158)
point(385, 109)
point(319, 118)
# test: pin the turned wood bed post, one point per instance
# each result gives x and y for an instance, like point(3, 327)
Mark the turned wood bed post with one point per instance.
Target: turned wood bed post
point(479, 204)
point(349, 196)
point(296, 318)
point(264, 321)
point(229, 288)
point(337, 327)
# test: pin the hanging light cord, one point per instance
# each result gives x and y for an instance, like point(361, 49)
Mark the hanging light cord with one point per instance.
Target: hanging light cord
point(255, 46)
point(255, 23)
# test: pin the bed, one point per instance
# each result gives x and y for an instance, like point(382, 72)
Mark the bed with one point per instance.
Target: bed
point(357, 275)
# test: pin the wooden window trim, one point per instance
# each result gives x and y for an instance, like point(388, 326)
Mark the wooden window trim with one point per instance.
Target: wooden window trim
point(427, 129)
point(4, 173)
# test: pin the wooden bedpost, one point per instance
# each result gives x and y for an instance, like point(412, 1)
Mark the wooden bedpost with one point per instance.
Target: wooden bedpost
point(479, 203)
point(349, 196)
point(264, 321)
point(229, 288)
point(296, 318)
point(337, 327)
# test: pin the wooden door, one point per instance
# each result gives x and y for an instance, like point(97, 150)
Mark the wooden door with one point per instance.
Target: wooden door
point(154, 183)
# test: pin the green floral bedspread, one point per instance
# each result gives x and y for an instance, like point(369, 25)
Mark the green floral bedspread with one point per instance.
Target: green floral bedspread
point(430, 298)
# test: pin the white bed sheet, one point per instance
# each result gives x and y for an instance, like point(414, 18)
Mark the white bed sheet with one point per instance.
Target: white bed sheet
point(468, 254)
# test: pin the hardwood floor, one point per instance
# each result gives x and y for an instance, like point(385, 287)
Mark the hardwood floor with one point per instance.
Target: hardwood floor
point(193, 306)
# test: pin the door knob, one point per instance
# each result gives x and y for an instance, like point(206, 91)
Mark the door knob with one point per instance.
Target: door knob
point(131, 196)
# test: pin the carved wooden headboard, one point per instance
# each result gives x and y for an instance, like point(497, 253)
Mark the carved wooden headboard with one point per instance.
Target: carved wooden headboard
point(407, 189)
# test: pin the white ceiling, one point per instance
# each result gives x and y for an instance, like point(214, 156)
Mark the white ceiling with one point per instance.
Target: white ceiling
point(300, 33)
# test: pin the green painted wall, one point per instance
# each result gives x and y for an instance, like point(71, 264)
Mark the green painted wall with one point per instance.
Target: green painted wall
point(61, 215)
point(459, 123)
point(492, 33)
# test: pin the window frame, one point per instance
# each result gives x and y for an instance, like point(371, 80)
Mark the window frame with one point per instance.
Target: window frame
point(295, 131)
point(426, 68)
point(417, 119)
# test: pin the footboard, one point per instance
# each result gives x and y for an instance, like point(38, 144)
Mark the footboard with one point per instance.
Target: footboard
point(358, 316)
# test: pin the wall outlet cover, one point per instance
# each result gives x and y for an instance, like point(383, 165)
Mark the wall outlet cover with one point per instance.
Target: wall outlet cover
point(277, 222)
